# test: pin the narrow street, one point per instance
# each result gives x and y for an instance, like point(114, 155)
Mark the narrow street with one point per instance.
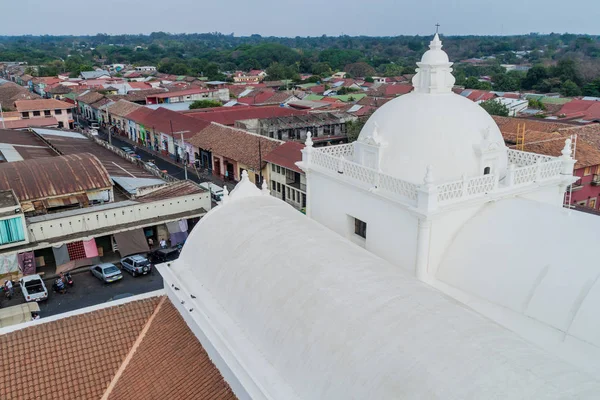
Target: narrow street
point(88, 291)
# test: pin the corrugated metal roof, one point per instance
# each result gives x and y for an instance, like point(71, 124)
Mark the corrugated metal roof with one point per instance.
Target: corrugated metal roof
point(131, 185)
point(175, 189)
point(54, 176)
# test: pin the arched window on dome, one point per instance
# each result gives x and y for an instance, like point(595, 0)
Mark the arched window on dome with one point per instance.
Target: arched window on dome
point(486, 170)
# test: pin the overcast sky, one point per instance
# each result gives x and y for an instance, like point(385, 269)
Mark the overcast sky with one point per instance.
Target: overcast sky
point(298, 17)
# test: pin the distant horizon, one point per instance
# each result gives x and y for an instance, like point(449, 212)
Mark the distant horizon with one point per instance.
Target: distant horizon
point(287, 18)
point(442, 34)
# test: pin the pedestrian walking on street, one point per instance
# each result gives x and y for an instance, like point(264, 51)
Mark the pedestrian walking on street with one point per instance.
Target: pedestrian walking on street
point(9, 288)
point(150, 242)
point(163, 244)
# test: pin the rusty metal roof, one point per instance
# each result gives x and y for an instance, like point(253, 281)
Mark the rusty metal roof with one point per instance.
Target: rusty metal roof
point(49, 177)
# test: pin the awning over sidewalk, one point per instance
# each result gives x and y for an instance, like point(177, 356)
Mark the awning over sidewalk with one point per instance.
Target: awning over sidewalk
point(131, 242)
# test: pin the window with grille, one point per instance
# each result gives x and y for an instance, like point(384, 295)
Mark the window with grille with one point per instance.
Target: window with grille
point(360, 228)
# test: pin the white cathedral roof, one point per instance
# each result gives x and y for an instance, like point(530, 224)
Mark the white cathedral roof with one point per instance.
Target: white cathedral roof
point(432, 126)
point(309, 315)
point(536, 262)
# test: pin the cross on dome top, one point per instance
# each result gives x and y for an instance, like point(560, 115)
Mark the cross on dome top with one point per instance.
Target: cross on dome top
point(434, 75)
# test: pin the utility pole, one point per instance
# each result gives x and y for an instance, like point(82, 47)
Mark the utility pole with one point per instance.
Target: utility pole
point(2, 117)
point(181, 148)
point(259, 163)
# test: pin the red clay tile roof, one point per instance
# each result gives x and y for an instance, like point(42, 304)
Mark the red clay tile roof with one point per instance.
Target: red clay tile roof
point(11, 92)
point(235, 144)
point(89, 97)
point(88, 349)
point(180, 93)
point(228, 115)
point(54, 176)
point(170, 363)
point(286, 156)
point(161, 119)
point(387, 90)
point(551, 144)
point(122, 108)
point(41, 104)
point(263, 96)
point(480, 95)
point(508, 124)
point(93, 354)
point(585, 109)
point(140, 85)
point(30, 122)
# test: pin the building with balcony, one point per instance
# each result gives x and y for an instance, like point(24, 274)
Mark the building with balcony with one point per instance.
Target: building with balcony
point(287, 181)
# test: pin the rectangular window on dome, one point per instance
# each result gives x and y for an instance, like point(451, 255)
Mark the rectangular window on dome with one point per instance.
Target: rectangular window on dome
point(360, 228)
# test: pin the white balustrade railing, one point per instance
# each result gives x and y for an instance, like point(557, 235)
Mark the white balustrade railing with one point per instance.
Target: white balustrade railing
point(342, 150)
point(468, 187)
point(526, 168)
point(362, 174)
point(523, 158)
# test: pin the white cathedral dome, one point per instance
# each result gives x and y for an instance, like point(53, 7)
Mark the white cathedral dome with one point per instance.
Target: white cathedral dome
point(434, 126)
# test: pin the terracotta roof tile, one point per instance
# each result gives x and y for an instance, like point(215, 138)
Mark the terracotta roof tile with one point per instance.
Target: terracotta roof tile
point(235, 144)
point(122, 108)
point(286, 155)
point(90, 97)
point(229, 115)
point(170, 363)
point(42, 104)
point(82, 352)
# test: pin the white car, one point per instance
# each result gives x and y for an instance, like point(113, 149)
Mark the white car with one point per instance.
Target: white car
point(216, 191)
point(33, 288)
point(106, 272)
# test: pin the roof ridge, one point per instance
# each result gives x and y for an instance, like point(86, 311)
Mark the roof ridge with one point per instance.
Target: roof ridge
point(134, 347)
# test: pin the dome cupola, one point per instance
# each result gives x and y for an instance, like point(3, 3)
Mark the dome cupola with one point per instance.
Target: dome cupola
point(432, 126)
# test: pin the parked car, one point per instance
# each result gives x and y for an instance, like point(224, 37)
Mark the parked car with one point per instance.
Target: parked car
point(127, 150)
point(136, 265)
point(106, 272)
point(216, 191)
point(163, 255)
point(94, 125)
point(33, 288)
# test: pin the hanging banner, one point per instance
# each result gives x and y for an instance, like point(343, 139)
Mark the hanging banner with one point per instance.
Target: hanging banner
point(27, 263)
point(8, 264)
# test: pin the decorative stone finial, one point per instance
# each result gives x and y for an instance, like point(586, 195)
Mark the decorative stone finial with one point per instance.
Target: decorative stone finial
point(265, 188)
point(566, 151)
point(244, 175)
point(428, 180)
point(436, 43)
point(225, 195)
point(308, 142)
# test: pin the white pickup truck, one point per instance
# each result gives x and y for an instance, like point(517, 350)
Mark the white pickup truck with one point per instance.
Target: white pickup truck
point(33, 288)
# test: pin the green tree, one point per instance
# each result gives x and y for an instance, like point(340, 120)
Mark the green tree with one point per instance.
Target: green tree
point(536, 104)
point(353, 129)
point(569, 89)
point(474, 83)
point(494, 108)
point(205, 104)
point(535, 76)
point(321, 68)
point(360, 69)
point(506, 83)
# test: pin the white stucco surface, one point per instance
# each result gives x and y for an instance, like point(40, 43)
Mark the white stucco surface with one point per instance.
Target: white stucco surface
point(442, 130)
point(336, 322)
point(535, 260)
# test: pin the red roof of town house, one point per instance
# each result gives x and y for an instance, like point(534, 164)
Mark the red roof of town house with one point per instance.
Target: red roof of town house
point(387, 90)
point(140, 85)
point(161, 119)
point(235, 144)
point(229, 115)
point(512, 95)
point(478, 95)
point(320, 89)
point(286, 155)
point(142, 349)
point(265, 97)
point(588, 110)
point(30, 122)
point(41, 104)
point(330, 99)
point(186, 92)
point(255, 72)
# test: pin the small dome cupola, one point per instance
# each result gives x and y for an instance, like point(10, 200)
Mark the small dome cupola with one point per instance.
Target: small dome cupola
point(434, 74)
